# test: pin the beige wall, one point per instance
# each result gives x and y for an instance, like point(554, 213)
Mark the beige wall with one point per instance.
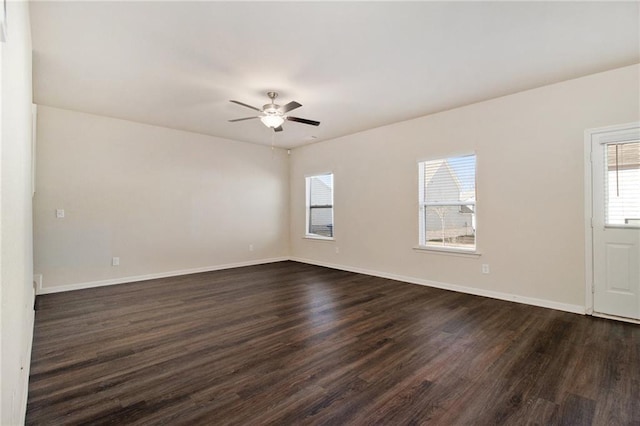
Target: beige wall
point(16, 267)
point(530, 190)
point(161, 200)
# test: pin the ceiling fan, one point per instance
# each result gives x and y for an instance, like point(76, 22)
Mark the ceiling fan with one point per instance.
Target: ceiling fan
point(273, 115)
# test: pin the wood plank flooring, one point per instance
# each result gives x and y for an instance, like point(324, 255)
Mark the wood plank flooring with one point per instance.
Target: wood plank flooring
point(289, 343)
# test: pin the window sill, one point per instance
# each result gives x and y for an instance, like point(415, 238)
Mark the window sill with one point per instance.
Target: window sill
point(621, 227)
point(318, 237)
point(448, 251)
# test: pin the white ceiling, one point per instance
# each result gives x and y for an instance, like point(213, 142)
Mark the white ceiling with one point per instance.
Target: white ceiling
point(353, 66)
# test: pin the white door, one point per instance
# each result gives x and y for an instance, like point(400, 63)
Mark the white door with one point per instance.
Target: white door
point(615, 163)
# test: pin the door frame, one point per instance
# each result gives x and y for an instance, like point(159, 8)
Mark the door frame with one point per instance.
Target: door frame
point(589, 136)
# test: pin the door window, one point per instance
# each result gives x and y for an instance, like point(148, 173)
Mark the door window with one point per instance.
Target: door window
point(622, 184)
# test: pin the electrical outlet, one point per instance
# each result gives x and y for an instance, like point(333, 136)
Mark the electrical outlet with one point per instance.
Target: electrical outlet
point(337, 249)
point(60, 213)
point(485, 268)
point(115, 261)
point(250, 247)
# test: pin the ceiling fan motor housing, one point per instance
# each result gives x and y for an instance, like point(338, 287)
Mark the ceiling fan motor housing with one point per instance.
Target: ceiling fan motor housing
point(271, 109)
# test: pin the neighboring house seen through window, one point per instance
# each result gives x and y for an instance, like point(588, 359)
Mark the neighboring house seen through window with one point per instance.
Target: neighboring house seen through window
point(448, 203)
point(320, 206)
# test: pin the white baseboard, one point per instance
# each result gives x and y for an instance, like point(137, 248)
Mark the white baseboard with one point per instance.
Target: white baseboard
point(124, 280)
point(37, 279)
point(576, 309)
point(26, 368)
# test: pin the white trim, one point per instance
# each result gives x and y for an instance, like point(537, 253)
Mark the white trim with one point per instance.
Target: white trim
point(588, 224)
point(613, 317)
point(34, 145)
point(576, 309)
point(449, 154)
point(26, 369)
point(614, 128)
point(448, 251)
point(621, 226)
point(317, 174)
point(412, 280)
point(421, 207)
point(37, 278)
point(317, 237)
point(589, 136)
point(613, 136)
point(3, 22)
point(124, 280)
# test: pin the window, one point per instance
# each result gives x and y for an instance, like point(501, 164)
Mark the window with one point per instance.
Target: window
point(320, 206)
point(622, 184)
point(447, 202)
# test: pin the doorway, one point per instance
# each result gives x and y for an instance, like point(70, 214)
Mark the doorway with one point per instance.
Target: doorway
point(612, 197)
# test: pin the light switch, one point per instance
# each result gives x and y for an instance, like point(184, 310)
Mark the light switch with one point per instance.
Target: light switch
point(60, 213)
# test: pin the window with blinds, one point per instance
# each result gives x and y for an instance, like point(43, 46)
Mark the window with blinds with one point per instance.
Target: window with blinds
point(320, 206)
point(622, 184)
point(447, 202)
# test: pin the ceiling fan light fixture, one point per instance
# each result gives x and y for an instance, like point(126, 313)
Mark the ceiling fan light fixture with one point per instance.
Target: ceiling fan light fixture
point(272, 121)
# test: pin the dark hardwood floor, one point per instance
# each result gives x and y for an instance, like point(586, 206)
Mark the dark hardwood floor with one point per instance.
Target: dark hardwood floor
point(289, 343)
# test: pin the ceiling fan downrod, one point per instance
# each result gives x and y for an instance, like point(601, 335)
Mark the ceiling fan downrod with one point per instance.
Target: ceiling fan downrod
point(272, 108)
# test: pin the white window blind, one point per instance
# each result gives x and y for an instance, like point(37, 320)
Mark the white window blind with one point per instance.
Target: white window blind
point(447, 202)
point(320, 205)
point(622, 184)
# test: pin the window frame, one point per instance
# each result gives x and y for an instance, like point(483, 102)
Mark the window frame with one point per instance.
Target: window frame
point(423, 205)
point(309, 207)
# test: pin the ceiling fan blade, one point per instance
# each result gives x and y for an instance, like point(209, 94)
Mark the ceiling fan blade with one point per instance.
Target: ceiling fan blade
point(242, 119)
point(245, 105)
point(278, 129)
point(290, 106)
point(304, 120)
